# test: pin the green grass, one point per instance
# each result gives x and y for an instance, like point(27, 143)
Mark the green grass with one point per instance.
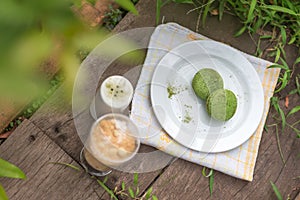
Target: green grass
point(276, 191)
point(210, 175)
point(114, 16)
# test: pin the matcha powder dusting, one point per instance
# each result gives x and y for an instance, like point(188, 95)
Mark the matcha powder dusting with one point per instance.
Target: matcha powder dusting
point(171, 91)
point(187, 117)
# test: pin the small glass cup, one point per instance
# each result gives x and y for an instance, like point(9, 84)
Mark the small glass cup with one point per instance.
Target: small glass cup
point(113, 141)
point(114, 95)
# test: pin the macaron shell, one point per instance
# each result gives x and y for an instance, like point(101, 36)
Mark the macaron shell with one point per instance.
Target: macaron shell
point(221, 104)
point(206, 81)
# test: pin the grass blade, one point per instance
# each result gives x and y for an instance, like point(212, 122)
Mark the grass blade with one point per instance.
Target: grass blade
point(211, 183)
point(221, 9)
point(137, 191)
point(294, 110)
point(280, 9)
point(282, 51)
point(123, 185)
point(297, 61)
point(266, 128)
point(204, 173)
point(284, 81)
point(158, 7)
point(135, 179)
point(251, 10)
point(274, 102)
point(205, 12)
point(283, 34)
point(2, 193)
point(275, 189)
point(241, 31)
point(282, 118)
point(67, 165)
point(148, 193)
point(183, 1)
point(292, 40)
point(277, 55)
point(279, 66)
point(113, 196)
point(297, 84)
point(279, 146)
point(131, 193)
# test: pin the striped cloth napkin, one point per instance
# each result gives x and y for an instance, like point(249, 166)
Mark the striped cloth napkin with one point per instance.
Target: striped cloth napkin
point(238, 162)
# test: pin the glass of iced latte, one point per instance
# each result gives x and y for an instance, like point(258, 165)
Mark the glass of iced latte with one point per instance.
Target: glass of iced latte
point(112, 141)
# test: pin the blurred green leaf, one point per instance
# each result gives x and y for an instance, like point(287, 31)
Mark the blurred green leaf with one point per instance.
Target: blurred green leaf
point(2, 193)
point(127, 5)
point(154, 197)
point(9, 170)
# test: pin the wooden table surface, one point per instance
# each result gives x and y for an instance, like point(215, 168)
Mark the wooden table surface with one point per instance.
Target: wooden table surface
point(50, 136)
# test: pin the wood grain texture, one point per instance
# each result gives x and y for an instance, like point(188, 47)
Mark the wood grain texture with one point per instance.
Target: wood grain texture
point(34, 152)
point(55, 111)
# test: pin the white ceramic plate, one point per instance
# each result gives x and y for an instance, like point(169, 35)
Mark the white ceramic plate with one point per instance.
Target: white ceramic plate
point(184, 116)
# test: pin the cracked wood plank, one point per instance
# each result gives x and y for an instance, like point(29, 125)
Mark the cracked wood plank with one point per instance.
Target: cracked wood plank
point(31, 150)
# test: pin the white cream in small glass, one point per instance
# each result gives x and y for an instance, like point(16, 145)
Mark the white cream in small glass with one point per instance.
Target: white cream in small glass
point(114, 95)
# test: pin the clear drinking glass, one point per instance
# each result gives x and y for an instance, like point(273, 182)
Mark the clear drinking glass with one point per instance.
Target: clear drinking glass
point(112, 141)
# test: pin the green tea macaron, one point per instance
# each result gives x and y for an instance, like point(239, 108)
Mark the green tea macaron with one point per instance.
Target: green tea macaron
point(206, 81)
point(221, 104)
